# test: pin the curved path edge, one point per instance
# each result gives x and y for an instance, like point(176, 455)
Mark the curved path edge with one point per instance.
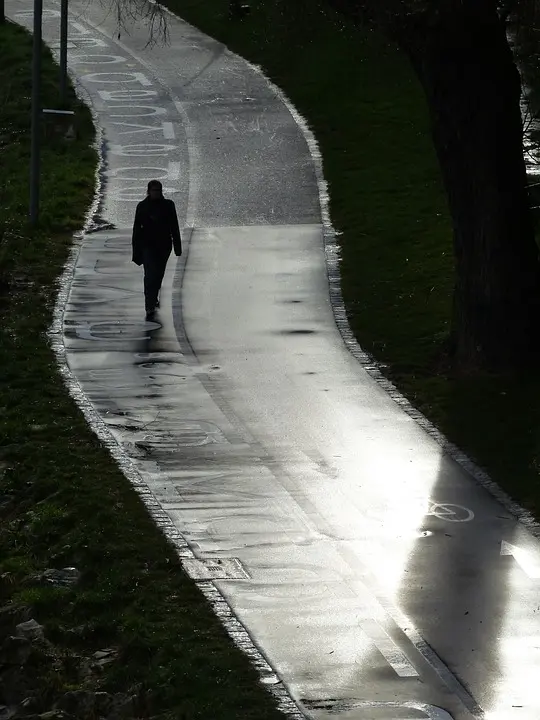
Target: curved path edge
point(94, 223)
point(368, 362)
point(221, 607)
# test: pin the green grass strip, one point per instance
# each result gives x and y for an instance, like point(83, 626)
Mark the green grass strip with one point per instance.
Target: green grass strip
point(63, 502)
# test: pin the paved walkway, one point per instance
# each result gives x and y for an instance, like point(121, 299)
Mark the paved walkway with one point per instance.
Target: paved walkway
point(378, 579)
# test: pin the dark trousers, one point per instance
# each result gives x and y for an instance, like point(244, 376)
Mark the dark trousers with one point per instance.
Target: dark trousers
point(155, 262)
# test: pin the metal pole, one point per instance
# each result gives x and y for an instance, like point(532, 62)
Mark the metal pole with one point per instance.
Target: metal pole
point(63, 50)
point(36, 113)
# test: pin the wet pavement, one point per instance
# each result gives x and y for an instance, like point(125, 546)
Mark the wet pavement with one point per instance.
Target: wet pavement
point(377, 578)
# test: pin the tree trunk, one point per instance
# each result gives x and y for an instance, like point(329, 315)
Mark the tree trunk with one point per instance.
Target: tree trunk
point(473, 89)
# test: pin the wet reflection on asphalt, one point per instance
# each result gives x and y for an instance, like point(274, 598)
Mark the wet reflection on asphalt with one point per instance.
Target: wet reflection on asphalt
point(376, 577)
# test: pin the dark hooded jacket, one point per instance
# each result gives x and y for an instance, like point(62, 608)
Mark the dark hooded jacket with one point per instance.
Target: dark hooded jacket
point(155, 229)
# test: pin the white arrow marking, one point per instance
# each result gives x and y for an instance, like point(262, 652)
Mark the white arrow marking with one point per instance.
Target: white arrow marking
point(523, 558)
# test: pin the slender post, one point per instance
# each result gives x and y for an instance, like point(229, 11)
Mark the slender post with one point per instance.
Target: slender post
point(63, 50)
point(36, 114)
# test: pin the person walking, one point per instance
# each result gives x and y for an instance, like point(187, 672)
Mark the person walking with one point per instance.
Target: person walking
point(155, 234)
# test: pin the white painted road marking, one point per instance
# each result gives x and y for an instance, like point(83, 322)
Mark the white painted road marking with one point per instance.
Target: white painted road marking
point(391, 652)
point(450, 512)
point(46, 14)
point(523, 558)
point(142, 149)
point(165, 127)
point(126, 110)
point(117, 77)
point(128, 95)
point(101, 59)
point(168, 131)
point(81, 29)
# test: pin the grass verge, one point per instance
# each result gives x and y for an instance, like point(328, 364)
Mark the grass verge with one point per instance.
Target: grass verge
point(64, 503)
point(368, 113)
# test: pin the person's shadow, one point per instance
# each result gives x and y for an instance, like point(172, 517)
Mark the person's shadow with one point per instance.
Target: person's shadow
point(455, 585)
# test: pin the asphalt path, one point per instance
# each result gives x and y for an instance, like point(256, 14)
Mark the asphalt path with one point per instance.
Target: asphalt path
point(374, 576)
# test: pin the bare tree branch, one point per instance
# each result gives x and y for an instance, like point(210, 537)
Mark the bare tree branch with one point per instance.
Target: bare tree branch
point(149, 12)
